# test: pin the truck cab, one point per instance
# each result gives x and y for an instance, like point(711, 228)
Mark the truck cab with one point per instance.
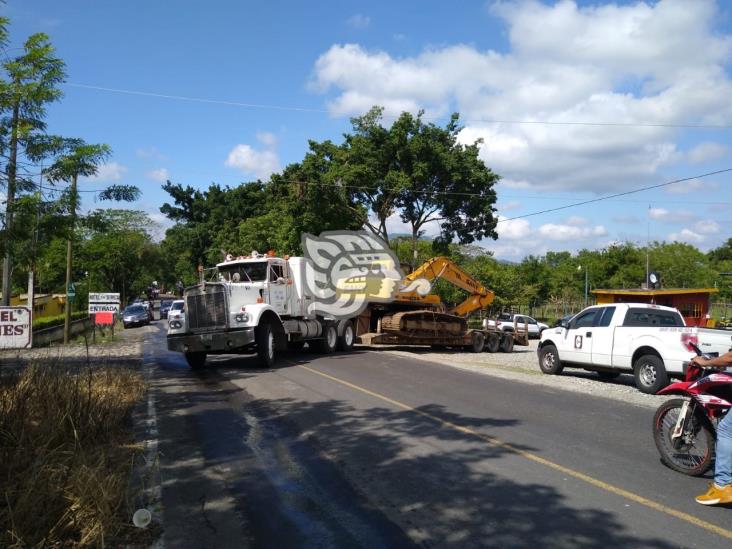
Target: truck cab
point(260, 303)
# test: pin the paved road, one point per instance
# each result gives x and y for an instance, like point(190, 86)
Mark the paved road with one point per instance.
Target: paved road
point(374, 450)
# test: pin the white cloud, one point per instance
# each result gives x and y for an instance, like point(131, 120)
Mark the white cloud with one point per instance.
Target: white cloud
point(514, 229)
point(251, 161)
point(686, 235)
point(667, 216)
point(267, 138)
point(692, 186)
point(707, 226)
point(111, 171)
point(662, 63)
point(359, 21)
point(161, 175)
point(555, 231)
point(707, 151)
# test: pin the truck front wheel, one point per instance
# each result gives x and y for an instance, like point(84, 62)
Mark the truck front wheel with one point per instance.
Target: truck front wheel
point(265, 339)
point(196, 360)
point(549, 362)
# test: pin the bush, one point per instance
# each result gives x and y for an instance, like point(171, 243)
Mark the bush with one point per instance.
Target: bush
point(51, 321)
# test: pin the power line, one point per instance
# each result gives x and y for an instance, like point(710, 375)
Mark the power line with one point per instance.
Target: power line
point(324, 111)
point(600, 199)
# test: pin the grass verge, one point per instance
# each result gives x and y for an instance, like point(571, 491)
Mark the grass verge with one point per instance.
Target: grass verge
point(67, 454)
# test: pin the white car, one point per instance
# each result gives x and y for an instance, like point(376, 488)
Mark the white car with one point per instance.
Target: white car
point(176, 316)
point(506, 324)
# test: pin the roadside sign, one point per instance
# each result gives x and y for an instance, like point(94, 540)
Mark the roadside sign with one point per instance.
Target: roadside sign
point(15, 328)
point(103, 308)
point(103, 298)
point(104, 318)
point(100, 302)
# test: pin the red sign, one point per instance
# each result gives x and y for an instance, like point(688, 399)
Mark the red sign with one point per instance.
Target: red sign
point(104, 318)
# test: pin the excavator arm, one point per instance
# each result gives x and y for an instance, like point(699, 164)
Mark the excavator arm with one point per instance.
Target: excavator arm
point(441, 267)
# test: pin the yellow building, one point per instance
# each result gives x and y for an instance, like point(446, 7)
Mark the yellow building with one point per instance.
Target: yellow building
point(44, 305)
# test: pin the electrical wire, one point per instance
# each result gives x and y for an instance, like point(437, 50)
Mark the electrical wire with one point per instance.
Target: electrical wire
point(325, 111)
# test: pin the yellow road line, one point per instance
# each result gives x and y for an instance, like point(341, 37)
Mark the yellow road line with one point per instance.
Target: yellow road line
point(537, 459)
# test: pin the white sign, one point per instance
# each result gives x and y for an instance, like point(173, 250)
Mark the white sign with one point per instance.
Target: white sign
point(103, 308)
point(103, 298)
point(15, 328)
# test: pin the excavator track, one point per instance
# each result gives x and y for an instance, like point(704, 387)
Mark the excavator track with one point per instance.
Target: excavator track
point(424, 323)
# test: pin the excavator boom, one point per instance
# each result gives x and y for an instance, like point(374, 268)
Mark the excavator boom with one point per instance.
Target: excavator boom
point(441, 267)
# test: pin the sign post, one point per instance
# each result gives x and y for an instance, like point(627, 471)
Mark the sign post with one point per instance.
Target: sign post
point(105, 308)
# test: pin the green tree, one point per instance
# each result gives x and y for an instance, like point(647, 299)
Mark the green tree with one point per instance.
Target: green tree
point(680, 265)
point(29, 83)
point(419, 171)
point(81, 160)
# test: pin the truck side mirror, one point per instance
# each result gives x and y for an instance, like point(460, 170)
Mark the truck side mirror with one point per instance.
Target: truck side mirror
point(564, 323)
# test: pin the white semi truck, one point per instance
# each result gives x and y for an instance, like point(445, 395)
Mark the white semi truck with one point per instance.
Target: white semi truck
point(259, 304)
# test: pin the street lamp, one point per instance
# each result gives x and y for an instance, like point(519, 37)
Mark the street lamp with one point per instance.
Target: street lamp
point(579, 268)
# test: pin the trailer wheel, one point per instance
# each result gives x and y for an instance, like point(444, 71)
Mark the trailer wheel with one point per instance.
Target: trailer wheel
point(507, 343)
point(477, 342)
point(330, 340)
point(265, 339)
point(493, 342)
point(347, 338)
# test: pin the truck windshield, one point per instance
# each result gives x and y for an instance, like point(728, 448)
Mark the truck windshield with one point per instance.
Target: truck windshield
point(245, 272)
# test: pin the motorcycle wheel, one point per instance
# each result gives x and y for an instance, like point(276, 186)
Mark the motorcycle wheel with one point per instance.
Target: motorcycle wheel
point(692, 453)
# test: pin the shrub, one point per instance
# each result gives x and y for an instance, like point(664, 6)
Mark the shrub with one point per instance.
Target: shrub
point(51, 321)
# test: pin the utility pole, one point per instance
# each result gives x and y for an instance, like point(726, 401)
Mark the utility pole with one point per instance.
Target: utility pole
point(67, 308)
point(9, 204)
point(586, 285)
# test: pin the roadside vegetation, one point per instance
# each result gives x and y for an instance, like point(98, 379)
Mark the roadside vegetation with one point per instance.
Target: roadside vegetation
point(67, 456)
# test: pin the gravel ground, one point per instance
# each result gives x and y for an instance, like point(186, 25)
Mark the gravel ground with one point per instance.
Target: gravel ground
point(523, 365)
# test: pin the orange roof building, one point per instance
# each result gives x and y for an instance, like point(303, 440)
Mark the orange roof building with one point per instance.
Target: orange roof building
point(693, 303)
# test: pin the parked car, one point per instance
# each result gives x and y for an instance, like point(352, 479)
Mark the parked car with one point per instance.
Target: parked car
point(165, 305)
point(505, 323)
point(135, 315)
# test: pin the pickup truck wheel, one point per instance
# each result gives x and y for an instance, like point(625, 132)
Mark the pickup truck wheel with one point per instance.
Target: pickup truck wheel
point(608, 375)
point(549, 362)
point(477, 342)
point(265, 338)
point(196, 360)
point(330, 339)
point(347, 338)
point(507, 342)
point(493, 342)
point(650, 374)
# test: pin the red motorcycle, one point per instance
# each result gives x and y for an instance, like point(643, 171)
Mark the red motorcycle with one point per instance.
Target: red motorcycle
point(685, 429)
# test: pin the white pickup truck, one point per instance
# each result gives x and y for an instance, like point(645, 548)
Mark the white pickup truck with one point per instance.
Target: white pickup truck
point(650, 341)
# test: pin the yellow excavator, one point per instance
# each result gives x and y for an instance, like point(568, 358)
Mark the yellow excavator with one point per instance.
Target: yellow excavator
point(415, 319)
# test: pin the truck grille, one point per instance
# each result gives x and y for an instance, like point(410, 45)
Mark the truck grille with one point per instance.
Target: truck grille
point(206, 310)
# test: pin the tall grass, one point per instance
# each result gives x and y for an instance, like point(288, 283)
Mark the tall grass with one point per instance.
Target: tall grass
point(66, 455)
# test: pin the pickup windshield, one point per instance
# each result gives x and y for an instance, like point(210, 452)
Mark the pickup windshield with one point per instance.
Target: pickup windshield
point(245, 272)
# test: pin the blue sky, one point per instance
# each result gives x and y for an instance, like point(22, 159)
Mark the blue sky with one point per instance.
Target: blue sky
point(614, 93)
